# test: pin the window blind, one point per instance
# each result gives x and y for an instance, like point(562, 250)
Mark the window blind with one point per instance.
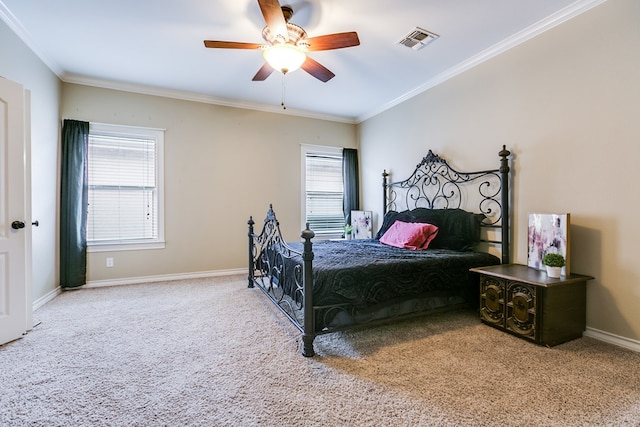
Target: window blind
point(324, 193)
point(123, 199)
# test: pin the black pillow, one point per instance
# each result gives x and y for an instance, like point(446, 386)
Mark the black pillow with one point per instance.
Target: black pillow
point(388, 220)
point(458, 229)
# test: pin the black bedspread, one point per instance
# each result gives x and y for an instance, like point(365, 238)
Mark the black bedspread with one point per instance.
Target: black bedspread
point(366, 273)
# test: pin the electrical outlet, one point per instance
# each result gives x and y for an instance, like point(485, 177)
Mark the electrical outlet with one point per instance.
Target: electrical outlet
point(109, 262)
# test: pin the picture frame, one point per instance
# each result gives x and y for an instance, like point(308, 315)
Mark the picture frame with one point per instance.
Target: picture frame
point(548, 233)
point(361, 224)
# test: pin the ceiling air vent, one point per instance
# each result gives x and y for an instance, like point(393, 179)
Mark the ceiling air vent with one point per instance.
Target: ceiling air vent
point(418, 38)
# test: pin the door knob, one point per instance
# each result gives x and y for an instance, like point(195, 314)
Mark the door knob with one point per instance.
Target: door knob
point(17, 225)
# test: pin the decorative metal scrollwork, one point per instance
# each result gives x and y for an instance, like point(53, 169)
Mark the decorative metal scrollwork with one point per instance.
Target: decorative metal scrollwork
point(436, 185)
point(274, 269)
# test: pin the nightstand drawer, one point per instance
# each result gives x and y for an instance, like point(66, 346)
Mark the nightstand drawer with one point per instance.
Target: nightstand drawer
point(521, 309)
point(492, 293)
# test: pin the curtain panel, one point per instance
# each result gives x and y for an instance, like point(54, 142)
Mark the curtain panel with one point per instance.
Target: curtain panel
point(350, 179)
point(73, 204)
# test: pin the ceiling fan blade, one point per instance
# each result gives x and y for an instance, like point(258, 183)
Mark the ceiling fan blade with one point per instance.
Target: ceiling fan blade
point(317, 70)
point(273, 16)
point(231, 45)
point(333, 41)
point(264, 72)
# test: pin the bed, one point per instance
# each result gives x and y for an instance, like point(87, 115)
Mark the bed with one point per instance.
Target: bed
point(436, 225)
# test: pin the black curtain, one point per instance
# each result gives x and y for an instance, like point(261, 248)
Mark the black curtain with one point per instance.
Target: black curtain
point(350, 178)
point(73, 204)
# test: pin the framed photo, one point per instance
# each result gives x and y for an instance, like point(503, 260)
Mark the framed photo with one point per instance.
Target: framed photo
point(361, 225)
point(548, 233)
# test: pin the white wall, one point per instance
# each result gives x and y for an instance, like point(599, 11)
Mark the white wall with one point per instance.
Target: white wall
point(567, 104)
point(18, 63)
point(221, 166)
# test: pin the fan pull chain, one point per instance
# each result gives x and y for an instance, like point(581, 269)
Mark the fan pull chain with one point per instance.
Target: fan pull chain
point(284, 107)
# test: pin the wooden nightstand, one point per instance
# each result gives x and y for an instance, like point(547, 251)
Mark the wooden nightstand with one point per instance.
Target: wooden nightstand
point(526, 303)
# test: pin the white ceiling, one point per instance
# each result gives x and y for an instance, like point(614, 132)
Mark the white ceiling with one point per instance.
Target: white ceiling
point(157, 47)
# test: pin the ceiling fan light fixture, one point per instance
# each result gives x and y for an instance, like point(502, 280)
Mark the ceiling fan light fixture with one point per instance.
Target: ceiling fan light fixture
point(287, 44)
point(284, 57)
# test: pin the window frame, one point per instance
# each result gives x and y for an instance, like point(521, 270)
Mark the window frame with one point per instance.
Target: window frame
point(135, 132)
point(306, 149)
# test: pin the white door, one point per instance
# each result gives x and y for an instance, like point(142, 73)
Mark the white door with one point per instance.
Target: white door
point(15, 226)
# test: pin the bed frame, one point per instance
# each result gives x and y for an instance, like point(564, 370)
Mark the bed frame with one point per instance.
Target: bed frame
point(434, 184)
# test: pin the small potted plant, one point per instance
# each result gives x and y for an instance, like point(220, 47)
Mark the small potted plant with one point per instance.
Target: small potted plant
point(554, 263)
point(347, 231)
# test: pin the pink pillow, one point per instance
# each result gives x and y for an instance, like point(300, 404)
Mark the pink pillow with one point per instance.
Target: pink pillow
point(409, 235)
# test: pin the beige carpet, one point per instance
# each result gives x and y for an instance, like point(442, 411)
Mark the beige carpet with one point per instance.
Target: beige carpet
point(211, 352)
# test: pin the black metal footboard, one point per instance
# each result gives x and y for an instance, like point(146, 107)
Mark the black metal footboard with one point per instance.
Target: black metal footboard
point(288, 284)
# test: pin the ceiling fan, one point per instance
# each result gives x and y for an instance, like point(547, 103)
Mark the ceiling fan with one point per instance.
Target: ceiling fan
point(287, 44)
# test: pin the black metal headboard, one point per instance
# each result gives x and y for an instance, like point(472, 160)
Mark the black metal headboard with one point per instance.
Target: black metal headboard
point(436, 185)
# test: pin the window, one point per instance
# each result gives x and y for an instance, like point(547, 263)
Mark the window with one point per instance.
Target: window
point(323, 190)
point(125, 209)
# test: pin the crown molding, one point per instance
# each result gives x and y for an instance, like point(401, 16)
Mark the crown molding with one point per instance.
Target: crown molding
point(196, 97)
point(12, 22)
point(518, 38)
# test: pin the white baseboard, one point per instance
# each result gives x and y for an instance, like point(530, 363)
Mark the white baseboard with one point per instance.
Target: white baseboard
point(613, 339)
point(46, 298)
point(163, 278)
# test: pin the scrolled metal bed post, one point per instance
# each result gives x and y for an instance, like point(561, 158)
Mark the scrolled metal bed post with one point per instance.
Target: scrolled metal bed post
point(504, 178)
point(251, 223)
point(309, 323)
point(385, 180)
